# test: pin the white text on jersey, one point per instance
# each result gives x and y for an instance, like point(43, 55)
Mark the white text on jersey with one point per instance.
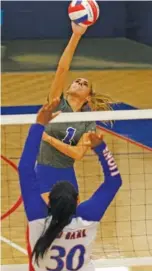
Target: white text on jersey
point(73, 235)
point(111, 163)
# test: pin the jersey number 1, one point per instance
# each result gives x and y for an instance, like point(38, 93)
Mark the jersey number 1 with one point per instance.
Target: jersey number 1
point(70, 133)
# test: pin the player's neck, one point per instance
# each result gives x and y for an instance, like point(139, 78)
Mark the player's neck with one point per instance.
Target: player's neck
point(75, 103)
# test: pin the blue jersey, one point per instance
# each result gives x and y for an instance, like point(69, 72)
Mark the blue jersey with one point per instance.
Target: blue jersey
point(72, 249)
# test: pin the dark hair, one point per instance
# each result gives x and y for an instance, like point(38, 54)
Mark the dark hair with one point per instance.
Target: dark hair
point(62, 206)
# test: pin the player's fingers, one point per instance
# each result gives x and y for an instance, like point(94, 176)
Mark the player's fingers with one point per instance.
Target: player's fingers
point(54, 115)
point(42, 108)
point(54, 103)
point(46, 106)
point(89, 134)
point(100, 136)
point(93, 135)
point(95, 138)
point(40, 112)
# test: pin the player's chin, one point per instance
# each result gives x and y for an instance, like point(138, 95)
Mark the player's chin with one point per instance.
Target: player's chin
point(75, 91)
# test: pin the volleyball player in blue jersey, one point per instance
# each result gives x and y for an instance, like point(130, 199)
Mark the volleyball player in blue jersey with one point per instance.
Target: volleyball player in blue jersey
point(62, 233)
point(62, 144)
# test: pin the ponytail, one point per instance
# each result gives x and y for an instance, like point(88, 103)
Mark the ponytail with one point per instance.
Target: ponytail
point(101, 102)
point(98, 102)
point(63, 206)
point(44, 242)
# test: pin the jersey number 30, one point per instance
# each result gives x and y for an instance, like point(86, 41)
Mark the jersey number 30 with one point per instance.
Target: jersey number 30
point(62, 258)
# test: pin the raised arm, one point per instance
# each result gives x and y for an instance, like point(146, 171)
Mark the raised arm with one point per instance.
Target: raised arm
point(28, 183)
point(35, 207)
point(65, 62)
point(94, 208)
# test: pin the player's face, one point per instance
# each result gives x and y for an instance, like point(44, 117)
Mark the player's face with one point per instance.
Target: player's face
point(80, 88)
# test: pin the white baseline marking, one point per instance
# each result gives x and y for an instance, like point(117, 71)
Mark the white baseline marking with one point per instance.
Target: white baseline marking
point(10, 243)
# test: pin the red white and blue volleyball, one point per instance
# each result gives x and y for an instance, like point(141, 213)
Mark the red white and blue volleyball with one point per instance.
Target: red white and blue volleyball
point(83, 12)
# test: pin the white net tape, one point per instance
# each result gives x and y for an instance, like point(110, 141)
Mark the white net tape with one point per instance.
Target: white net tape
point(79, 116)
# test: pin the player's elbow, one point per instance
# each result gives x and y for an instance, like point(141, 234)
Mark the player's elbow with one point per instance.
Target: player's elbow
point(119, 183)
point(79, 156)
point(22, 166)
point(21, 172)
point(115, 185)
point(76, 153)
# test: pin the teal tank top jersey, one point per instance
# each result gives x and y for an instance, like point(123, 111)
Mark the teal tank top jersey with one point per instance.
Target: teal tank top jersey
point(69, 133)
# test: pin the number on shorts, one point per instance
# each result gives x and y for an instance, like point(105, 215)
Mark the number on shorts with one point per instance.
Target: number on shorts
point(70, 133)
point(69, 258)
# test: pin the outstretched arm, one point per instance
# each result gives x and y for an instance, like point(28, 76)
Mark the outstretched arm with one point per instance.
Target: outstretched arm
point(65, 62)
point(76, 152)
point(29, 187)
point(94, 208)
point(35, 207)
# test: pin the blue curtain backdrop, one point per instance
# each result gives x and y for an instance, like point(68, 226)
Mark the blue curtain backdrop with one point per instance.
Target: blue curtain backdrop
point(48, 19)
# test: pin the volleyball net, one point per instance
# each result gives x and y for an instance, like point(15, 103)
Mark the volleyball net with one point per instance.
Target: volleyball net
point(125, 232)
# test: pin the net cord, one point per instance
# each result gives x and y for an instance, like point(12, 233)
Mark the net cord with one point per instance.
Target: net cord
point(81, 116)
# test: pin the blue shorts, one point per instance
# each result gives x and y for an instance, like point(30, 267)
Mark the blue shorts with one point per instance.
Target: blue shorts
point(48, 176)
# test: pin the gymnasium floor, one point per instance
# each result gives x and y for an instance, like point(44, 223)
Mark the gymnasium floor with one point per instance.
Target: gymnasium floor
point(126, 229)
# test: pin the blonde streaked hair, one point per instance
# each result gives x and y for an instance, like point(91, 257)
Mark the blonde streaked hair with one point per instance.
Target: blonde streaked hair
point(100, 102)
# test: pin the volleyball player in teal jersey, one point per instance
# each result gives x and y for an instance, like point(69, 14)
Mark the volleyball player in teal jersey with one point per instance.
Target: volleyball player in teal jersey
point(62, 144)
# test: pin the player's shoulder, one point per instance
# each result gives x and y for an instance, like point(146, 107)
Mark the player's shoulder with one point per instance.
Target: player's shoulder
point(37, 223)
point(63, 105)
point(79, 222)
